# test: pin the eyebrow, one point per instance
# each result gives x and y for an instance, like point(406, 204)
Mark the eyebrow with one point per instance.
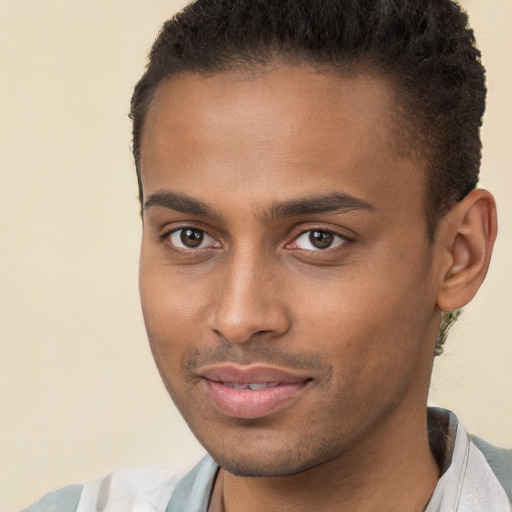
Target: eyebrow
point(330, 203)
point(180, 203)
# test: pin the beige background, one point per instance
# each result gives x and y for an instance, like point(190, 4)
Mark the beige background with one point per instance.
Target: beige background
point(78, 392)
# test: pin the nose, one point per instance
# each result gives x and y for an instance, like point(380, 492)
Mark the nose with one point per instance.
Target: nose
point(249, 301)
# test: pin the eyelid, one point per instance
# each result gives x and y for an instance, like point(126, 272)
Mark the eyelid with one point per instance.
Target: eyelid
point(343, 238)
point(167, 234)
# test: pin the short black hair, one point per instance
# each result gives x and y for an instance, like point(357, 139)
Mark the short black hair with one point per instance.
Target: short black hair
point(424, 48)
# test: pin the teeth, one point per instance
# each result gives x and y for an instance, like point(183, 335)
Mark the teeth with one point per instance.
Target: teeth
point(255, 387)
point(251, 386)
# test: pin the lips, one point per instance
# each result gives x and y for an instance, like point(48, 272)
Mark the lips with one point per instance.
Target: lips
point(249, 392)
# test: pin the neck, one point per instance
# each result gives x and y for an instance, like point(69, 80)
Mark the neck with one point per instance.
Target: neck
point(397, 475)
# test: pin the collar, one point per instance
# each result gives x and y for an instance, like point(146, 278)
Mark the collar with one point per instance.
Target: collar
point(468, 483)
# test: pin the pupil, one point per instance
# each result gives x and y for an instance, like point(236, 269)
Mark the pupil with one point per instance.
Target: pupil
point(321, 239)
point(191, 237)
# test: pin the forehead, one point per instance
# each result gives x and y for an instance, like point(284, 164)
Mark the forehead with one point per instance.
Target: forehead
point(276, 133)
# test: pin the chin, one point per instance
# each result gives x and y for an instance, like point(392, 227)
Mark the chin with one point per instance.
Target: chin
point(258, 469)
point(269, 463)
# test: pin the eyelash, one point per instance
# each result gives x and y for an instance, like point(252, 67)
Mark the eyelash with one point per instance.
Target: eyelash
point(341, 239)
point(167, 237)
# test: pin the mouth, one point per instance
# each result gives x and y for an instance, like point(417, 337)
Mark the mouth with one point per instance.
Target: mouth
point(252, 386)
point(251, 392)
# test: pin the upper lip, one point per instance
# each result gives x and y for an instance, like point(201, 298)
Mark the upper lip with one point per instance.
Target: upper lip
point(253, 374)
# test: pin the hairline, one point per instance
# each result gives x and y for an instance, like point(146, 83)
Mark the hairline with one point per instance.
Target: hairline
point(405, 125)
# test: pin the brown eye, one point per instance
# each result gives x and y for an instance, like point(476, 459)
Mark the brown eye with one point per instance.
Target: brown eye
point(318, 240)
point(321, 239)
point(192, 238)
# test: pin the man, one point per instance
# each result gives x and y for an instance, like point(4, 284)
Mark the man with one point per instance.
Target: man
point(307, 174)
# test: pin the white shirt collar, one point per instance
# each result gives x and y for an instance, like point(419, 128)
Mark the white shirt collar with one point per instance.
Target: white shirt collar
point(468, 484)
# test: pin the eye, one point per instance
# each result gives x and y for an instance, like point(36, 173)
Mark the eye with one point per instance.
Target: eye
point(191, 238)
point(317, 240)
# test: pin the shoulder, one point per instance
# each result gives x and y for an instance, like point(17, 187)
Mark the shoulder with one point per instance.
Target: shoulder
point(500, 461)
point(119, 491)
point(62, 500)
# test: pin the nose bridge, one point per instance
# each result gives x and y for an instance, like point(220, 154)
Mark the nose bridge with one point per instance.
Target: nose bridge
point(248, 301)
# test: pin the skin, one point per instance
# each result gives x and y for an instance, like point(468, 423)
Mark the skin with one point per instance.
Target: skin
point(240, 159)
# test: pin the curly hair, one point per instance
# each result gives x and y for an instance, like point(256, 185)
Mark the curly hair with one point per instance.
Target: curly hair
point(424, 48)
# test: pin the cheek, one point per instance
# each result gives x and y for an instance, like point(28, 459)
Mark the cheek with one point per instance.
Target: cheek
point(371, 323)
point(173, 310)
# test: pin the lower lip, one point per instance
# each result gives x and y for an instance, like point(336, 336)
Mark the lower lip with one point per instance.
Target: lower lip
point(248, 404)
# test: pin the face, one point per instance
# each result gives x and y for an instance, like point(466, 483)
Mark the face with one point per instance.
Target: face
point(287, 282)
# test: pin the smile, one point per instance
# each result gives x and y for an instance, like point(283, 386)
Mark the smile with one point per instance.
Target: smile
point(251, 392)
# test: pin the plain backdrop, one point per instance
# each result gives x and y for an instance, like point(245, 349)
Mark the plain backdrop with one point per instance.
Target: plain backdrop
point(79, 395)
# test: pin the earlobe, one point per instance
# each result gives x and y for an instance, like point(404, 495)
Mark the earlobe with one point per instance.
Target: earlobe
point(468, 238)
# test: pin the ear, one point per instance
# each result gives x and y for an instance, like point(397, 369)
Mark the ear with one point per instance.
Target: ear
point(466, 237)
